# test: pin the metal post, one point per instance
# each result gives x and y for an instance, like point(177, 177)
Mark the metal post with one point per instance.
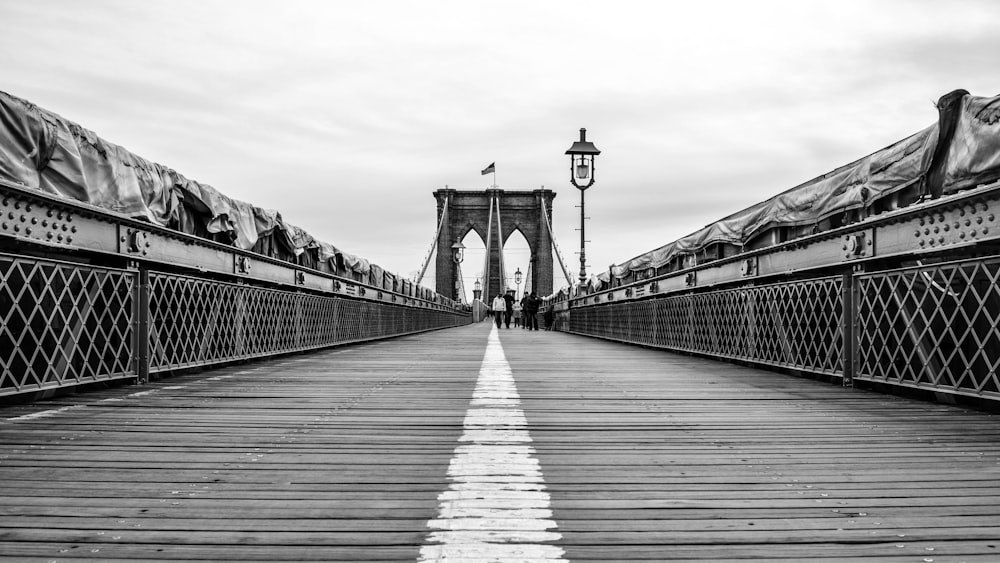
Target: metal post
point(583, 255)
point(300, 337)
point(752, 297)
point(140, 337)
point(850, 327)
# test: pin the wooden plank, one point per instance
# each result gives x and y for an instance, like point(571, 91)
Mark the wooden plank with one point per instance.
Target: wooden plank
point(341, 455)
point(709, 461)
point(170, 462)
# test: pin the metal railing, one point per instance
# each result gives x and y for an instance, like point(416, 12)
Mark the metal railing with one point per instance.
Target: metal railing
point(64, 324)
point(67, 324)
point(196, 322)
point(793, 324)
point(908, 299)
point(931, 326)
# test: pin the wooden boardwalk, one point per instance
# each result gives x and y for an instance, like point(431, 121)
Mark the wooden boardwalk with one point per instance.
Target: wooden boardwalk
point(347, 454)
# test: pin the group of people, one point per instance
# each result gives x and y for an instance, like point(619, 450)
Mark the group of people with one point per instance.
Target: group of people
point(524, 313)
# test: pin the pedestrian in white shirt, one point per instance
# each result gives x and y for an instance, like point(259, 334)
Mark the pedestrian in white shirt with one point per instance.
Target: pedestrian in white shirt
point(499, 307)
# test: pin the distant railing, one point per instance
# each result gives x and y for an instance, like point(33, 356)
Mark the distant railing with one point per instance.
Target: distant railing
point(906, 299)
point(195, 322)
point(792, 324)
point(87, 296)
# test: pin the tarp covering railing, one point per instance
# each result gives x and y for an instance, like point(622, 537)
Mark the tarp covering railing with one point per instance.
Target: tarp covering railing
point(44, 151)
point(967, 155)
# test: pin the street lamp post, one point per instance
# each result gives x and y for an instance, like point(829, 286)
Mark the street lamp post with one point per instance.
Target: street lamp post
point(477, 290)
point(581, 169)
point(458, 254)
point(517, 280)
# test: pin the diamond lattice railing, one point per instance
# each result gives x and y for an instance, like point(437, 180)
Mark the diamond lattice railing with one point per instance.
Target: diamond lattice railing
point(793, 324)
point(933, 327)
point(196, 321)
point(63, 324)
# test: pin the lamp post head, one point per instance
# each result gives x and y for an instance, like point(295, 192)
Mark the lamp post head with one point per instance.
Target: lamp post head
point(477, 292)
point(458, 252)
point(517, 276)
point(581, 161)
point(583, 146)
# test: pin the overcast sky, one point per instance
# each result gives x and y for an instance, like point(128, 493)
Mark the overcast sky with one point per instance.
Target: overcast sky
point(345, 116)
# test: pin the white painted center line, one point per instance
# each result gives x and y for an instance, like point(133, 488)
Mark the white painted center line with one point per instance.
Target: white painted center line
point(496, 508)
point(44, 414)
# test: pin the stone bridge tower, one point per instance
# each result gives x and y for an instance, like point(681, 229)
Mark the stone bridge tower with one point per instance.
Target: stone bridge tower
point(511, 210)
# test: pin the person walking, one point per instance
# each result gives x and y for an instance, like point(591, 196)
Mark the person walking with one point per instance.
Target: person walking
point(508, 299)
point(517, 314)
point(499, 307)
point(531, 312)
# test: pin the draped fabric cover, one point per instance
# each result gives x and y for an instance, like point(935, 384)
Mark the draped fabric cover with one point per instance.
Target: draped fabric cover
point(974, 154)
point(43, 151)
point(973, 159)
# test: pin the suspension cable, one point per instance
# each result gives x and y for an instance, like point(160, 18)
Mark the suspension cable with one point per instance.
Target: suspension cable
point(427, 261)
point(460, 290)
point(555, 246)
point(527, 279)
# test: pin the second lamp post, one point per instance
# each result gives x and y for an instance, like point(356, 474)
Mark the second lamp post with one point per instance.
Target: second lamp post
point(581, 173)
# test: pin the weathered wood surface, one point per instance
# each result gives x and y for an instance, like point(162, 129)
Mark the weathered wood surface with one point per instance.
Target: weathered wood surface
point(341, 455)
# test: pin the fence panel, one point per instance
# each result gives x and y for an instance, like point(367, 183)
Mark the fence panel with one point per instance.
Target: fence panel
point(934, 327)
point(63, 324)
point(195, 321)
point(796, 324)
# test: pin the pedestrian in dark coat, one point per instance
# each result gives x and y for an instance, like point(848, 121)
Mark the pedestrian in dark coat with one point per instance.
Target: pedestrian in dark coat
point(508, 299)
point(531, 311)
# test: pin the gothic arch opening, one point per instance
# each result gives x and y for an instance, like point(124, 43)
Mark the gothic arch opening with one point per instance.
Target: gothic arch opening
point(516, 256)
point(472, 266)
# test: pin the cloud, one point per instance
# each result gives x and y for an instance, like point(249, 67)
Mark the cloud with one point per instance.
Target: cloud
point(346, 117)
